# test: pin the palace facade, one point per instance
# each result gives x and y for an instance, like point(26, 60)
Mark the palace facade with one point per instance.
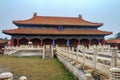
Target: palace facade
point(61, 31)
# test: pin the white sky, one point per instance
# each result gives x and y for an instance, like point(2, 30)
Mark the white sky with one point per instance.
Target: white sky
point(105, 11)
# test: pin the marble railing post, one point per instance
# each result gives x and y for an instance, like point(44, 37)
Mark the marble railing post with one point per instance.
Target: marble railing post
point(52, 51)
point(114, 73)
point(83, 57)
point(108, 52)
point(94, 57)
point(43, 51)
point(68, 53)
point(77, 52)
point(72, 49)
point(114, 57)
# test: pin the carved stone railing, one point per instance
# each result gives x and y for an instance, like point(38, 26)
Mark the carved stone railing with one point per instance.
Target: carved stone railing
point(114, 73)
point(99, 58)
point(11, 49)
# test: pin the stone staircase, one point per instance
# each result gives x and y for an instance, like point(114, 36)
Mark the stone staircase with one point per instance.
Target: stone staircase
point(48, 52)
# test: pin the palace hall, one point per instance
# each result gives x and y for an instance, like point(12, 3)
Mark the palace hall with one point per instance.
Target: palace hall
point(52, 30)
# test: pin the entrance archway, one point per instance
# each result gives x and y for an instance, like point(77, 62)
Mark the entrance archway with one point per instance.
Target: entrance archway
point(101, 41)
point(94, 42)
point(47, 41)
point(15, 42)
point(35, 41)
point(23, 41)
point(84, 42)
point(73, 42)
point(60, 42)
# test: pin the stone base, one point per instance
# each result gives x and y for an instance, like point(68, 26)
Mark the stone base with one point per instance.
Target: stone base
point(28, 53)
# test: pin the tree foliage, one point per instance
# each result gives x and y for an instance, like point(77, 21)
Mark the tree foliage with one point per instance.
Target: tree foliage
point(118, 35)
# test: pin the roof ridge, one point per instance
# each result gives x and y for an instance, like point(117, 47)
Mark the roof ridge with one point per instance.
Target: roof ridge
point(57, 16)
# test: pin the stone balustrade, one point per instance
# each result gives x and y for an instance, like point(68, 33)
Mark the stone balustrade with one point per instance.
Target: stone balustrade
point(11, 49)
point(114, 73)
point(96, 57)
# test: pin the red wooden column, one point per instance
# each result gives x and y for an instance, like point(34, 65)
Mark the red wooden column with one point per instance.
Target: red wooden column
point(104, 42)
point(78, 42)
point(89, 41)
point(41, 42)
point(12, 42)
point(98, 41)
point(18, 42)
point(28, 41)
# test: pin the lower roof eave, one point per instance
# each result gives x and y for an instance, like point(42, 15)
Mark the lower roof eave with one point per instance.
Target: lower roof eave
point(61, 34)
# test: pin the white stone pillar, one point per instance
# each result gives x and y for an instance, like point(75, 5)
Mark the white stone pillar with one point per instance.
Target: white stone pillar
point(94, 57)
point(114, 57)
point(84, 56)
point(72, 49)
point(68, 53)
point(56, 47)
point(43, 51)
point(52, 51)
point(77, 54)
point(114, 73)
point(108, 52)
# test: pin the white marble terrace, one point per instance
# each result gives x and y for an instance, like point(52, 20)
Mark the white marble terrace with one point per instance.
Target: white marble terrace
point(99, 58)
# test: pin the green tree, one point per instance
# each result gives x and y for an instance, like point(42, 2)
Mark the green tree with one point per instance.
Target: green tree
point(118, 35)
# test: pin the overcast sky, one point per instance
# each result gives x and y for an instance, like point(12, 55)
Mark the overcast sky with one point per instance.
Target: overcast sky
point(103, 11)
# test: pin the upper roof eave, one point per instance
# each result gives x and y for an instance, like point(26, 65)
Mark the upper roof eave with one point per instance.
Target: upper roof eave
point(48, 20)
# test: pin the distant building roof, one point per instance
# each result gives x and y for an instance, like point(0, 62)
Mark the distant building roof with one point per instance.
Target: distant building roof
point(55, 31)
point(3, 41)
point(117, 41)
point(49, 20)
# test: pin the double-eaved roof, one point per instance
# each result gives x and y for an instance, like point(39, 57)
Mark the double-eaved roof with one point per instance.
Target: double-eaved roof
point(57, 21)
